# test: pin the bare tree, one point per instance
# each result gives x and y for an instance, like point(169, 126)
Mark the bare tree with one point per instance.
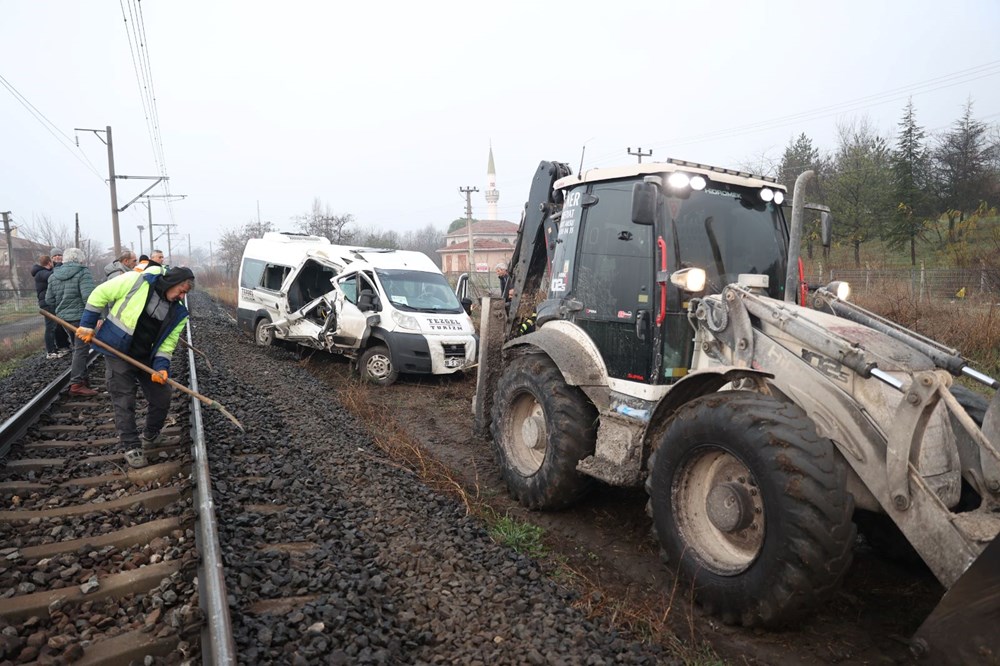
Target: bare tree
point(233, 241)
point(322, 221)
point(47, 232)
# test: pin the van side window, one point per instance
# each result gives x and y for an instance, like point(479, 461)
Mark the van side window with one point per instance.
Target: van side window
point(274, 275)
point(253, 269)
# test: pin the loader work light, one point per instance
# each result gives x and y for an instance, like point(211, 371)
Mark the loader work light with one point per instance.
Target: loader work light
point(767, 194)
point(678, 180)
point(779, 197)
point(698, 183)
point(689, 279)
point(840, 288)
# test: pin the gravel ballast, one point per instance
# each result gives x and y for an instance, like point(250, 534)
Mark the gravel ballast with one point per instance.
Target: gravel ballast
point(335, 554)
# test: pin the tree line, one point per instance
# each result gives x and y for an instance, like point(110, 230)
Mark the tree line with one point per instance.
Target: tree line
point(937, 192)
point(339, 228)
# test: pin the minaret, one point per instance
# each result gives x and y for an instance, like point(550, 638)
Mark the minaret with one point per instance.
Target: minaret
point(492, 193)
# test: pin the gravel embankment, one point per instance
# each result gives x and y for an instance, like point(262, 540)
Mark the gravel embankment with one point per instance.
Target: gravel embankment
point(373, 566)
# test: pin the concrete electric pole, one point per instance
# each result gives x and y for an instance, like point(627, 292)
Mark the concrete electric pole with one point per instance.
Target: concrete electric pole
point(640, 154)
point(10, 255)
point(468, 216)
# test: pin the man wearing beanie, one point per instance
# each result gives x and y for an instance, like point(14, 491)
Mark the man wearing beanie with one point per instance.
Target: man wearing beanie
point(145, 319)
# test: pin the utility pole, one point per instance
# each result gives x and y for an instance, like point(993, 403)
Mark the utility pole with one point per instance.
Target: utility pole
point(639, 153)
point(114, 194)
point(211, 257)
point(10, 255)
point(112, 180)
point(170, 252)
point(468, 216)
point(76, 236)
point(141, 228)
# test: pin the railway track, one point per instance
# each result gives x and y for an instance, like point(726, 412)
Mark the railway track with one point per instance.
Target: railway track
point(101, 563)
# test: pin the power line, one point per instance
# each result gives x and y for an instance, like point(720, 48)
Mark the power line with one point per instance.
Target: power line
point(921, 87)
point(50, 127)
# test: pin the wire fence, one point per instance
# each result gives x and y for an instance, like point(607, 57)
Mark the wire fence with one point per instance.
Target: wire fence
point(22, 329)
point(953, 284)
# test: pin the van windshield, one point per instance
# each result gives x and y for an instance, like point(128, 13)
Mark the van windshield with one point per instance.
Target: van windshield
point(418, 291)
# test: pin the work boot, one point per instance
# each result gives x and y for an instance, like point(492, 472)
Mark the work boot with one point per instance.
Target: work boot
point(136, 459)
point(81, 389)
point(150, 441)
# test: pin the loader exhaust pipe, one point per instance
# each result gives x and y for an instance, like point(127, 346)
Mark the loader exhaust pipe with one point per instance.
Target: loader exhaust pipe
point(795, 234)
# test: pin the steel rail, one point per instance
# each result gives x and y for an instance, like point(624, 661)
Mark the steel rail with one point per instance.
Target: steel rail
point(218, 648)
point(15, 427)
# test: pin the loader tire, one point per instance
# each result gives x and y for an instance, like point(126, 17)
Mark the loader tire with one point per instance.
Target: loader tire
point(975, 405)
point(542, 428)
point(750, 507)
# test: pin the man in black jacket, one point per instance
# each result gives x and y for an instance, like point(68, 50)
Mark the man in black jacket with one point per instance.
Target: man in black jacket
point(56, 338)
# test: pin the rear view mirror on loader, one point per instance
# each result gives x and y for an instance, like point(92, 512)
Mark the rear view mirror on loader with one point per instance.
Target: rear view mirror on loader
point(644, 196)
point(826, 227)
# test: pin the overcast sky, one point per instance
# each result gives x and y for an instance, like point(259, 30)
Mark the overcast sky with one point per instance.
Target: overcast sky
point(384, 109)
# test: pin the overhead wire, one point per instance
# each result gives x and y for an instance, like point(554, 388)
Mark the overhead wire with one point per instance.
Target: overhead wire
point(929, 85)
point(51, 127)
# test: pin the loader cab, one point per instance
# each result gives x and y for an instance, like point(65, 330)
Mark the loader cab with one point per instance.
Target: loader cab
point(622, 235)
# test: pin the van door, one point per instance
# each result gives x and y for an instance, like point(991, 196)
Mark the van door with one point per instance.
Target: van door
point(355, 291)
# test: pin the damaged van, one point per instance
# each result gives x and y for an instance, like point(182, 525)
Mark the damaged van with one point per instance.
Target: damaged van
point(391, 311)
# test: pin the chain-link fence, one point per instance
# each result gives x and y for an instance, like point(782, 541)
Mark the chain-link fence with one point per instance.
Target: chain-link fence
point(919, 283)
point(22, 329)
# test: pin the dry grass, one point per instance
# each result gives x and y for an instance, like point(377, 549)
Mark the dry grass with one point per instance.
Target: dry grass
point(971, 328)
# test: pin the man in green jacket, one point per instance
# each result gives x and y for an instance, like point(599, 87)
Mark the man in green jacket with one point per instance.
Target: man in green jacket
point(69, 286)
point(145, 319)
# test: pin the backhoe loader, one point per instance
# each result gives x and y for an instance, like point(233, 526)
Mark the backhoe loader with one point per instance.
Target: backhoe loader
point(675, 345)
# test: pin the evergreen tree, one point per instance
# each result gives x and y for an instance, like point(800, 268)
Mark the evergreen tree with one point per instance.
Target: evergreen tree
point(860, 190)
point(962, 160)
point(911, 181)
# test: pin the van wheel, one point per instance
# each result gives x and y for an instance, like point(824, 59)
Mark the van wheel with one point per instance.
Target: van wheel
point(751, 507)
point(375, 366)
point(262, 335)
point(542, 427)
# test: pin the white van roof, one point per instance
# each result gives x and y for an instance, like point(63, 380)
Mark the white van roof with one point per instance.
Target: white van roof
point(292, 249)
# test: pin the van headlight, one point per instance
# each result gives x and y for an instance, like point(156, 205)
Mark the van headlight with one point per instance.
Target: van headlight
point(405, 320)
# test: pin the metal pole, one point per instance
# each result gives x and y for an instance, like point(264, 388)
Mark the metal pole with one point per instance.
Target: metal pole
point(141, 229)
point(170, 251)
point(149, 208)
point(114, 194)
point(76, 241)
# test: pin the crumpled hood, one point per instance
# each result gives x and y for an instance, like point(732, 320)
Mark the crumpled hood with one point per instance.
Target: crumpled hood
point(36, 268)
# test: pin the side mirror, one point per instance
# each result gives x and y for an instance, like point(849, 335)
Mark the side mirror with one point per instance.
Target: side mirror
point(644, 197)
point(826, 227)
point(467, 305)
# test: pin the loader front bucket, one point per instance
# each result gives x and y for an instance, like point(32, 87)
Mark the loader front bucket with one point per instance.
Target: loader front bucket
point(965, 627)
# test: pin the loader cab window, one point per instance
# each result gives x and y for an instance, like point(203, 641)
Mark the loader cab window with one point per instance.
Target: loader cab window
point(727, 232)
point(614, 265)
point(613, 279)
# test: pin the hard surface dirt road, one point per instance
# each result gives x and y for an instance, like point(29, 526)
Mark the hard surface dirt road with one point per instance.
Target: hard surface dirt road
point(604, 546)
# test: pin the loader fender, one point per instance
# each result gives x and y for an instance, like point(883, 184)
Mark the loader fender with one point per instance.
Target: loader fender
point(571, 349)
point(693, 385)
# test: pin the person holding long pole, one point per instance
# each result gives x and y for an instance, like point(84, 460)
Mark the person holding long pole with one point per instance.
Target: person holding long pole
point(145, 319)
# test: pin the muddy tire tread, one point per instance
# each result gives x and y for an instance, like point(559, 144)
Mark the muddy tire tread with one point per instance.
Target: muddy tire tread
point(571, 424)
point(817, 547)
